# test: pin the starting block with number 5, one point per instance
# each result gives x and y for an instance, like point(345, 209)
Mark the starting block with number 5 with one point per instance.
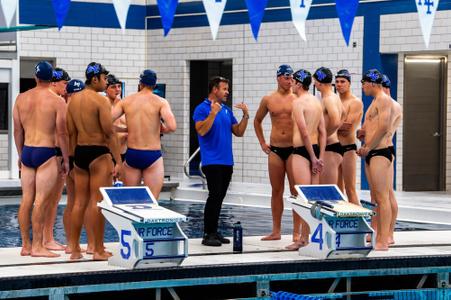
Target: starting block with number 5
point(338, 228)
point(149, 235)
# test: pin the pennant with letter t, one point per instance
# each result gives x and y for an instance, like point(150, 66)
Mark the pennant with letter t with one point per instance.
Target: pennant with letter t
point(426, 12)
point(299, 13)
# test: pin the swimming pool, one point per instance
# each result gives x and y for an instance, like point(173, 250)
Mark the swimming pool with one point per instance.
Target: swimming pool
point(255, 221)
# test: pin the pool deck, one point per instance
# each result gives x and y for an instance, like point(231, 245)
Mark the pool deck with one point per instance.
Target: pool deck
point(416, 252)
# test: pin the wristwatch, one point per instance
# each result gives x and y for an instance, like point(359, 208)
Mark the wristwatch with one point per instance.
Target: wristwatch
point(246, 116)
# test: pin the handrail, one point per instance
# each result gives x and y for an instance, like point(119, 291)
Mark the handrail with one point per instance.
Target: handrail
point(186, 169)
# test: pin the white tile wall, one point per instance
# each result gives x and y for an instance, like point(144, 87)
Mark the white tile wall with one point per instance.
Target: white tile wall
point(402, 34)
point(4, 154)
point(254, 66)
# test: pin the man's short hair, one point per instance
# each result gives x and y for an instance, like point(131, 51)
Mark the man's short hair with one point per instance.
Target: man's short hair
point(215, 81)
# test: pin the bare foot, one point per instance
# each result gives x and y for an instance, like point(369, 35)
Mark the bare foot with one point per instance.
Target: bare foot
point(296, 245)
point(76, 255)
point(26, 251)
point(43, 252)
point(381, 247)
point(296, 237)
point(391, 241)
point(68, 250)
point(271, 237)
point(54, 246)
point(100, 256)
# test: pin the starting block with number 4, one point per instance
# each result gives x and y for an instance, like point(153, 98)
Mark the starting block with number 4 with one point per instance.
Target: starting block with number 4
point(338, 228)
point(149, 235)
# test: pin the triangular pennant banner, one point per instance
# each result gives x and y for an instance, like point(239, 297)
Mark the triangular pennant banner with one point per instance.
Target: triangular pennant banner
point(61, 8)
point(346, 10)
point(299, 13)
point(121, 7)
point(256, 10)
point(167, 12)
point(9, 8)
point(214, 10)
point(426, 12)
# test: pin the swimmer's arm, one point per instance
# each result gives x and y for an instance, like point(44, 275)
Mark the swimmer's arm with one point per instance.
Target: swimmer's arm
point(61, 129)
point(18, 131)
point(258, 120)
point(107, 127)
point(383, 126)
point(170, 125)
point(72, 129)
point(299, 119)
point(117, 111)
point(354, 117)
point(322, 137)
point(334, 116)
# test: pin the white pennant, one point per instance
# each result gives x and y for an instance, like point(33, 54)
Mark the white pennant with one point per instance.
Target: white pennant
point(426, 12)
point(9, 8)
point(299, 13)
point(121, 7)
point(214, 10)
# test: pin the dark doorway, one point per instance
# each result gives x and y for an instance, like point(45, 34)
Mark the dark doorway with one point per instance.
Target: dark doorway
point(424, 123)
point(200, 73)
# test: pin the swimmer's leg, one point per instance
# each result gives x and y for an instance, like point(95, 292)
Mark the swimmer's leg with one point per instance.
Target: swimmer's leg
point(154, 177)
point(28, 182)
point(276, 170)
point(46, 176)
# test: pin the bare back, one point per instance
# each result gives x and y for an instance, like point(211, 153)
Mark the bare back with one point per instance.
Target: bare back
point(353, 112)
point(90, 113)
point(311, 110)
point(37, 110)
point(280, 109)
point(333, 116)
point(143, 113)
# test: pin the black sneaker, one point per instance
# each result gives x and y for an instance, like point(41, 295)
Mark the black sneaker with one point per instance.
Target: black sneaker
point(222, 239)
point(211, 240)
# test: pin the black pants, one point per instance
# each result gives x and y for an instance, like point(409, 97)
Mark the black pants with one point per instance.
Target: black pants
point(218, 179)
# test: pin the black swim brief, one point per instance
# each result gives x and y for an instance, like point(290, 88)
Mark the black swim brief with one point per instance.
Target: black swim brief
point(85, 155)
point(282, 152)
point(336, 147)
point(302, 151)
point(385, 152)
point(349, 147)
point(58, 151)
point(71, 163)
point(392, 150)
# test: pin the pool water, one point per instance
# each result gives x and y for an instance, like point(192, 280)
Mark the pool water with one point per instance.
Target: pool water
point(254, 220)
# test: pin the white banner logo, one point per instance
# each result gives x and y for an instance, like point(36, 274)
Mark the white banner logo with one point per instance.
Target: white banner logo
point(299, 13)
point(426, 12)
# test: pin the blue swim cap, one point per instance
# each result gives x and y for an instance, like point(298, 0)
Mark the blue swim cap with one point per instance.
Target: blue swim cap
point(148, 77)
point(303, 76)
point(59, 75)
point(95, 69)
point(386, 83)
point(43, 71)
point(372, 76)
point(74, 86)
point(285, 70)
point(323, 75)
point(344, 74)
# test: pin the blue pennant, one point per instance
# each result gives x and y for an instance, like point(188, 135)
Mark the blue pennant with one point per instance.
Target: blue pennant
point(346, 10)
point(167, 11)
point(256, 10)
point(61, 8)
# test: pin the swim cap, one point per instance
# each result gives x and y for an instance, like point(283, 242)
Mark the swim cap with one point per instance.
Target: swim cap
point(373, 76)
point(303, 76)
point(95, 69)
point(323, 75)
point(74, 86)
point(386, 83)
point(111, 79)
point(43, 70)
point(148, 77)
point(59, 75)
point(285, 70)
point(344, 74)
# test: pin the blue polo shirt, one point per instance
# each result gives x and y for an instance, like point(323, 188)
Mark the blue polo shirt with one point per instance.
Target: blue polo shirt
point(216, 145)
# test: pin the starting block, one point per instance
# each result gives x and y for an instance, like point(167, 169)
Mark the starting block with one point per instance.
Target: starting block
point(338, 228)
point(149, 235)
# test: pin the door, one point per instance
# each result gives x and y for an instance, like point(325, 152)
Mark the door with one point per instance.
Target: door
point(424, 123)
point(200, 73)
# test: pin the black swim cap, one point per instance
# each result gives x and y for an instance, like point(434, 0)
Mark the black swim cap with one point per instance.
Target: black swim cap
point(372, 76)
point(60, 75)
point(344, 74)
point(111, 79)
point(148, 77)
point(386, 83)
point(95, 69)
point(303, 76)
point(323, 75)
